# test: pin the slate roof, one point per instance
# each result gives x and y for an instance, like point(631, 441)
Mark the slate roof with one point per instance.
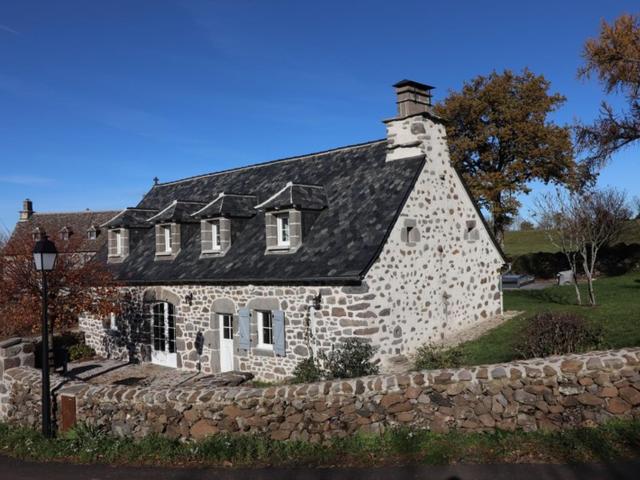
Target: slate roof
point(132, 217)
point(342, 242)
point(305, 197)
point(78, 223)
point(228, 205)
point(177, 212)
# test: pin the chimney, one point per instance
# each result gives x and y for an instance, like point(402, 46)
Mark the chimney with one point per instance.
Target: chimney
point(412, 98)
point(27, 210)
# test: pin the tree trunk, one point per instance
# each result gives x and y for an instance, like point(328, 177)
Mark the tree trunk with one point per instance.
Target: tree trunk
point(571, 258)
point(575, 284)
point(589, 273)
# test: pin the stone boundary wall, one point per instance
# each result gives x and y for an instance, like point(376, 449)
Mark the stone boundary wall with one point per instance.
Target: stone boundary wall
point(546, 394)
point(13, 353)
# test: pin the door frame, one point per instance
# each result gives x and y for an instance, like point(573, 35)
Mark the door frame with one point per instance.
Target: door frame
point(226, 341)
point(164, 357)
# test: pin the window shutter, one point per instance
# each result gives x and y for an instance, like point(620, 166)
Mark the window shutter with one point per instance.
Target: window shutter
point(112, 243)
point(175, 237)
point(244, 329)
point(125, 242)
point(206, 239)
point(160, 244)
point(278, 333)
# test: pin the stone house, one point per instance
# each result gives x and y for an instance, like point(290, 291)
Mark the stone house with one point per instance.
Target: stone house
point(257, 268)
point(77, 233)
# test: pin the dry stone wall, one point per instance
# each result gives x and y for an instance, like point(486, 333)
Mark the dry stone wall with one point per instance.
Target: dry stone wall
point(543, 394)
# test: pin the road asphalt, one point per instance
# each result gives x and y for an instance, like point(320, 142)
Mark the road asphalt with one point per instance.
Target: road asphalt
point(12, 469)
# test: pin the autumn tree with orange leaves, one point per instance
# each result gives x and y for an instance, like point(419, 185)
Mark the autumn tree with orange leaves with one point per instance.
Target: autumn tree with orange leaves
point(77, 284)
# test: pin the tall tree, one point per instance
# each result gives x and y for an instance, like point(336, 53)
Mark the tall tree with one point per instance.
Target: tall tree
point(501, 139)
point(614, 57)
point(76, 285)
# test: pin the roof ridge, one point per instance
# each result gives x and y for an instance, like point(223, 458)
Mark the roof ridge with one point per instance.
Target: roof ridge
point(74, 212)
point(270, 162)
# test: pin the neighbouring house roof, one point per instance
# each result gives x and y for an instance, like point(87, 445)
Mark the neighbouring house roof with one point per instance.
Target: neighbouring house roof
point(76, 224)
point(342, 242)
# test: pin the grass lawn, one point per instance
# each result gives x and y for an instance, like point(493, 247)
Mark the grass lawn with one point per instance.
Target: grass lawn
point(617, 440)
point(618, 312)
point(531, 241)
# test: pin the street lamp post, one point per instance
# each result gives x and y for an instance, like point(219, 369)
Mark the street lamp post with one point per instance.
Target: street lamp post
point(44, 258)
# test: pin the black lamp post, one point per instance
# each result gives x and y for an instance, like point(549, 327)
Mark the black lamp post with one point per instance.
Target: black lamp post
point(44, 257)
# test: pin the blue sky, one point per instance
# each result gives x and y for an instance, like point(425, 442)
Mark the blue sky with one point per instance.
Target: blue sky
point(97, 98)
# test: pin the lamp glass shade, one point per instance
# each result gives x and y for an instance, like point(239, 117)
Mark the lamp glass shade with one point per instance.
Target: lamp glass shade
point(44, 255)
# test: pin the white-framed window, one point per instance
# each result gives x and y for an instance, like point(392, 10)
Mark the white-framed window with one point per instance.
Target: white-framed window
point(165, 231)
point(92, 234)
point(282, 228)
point(112, 321)
point(226, 323)
point(119, 241)
point(265, 329)
point(215, 235)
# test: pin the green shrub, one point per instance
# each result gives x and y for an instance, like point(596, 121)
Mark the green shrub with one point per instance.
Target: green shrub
point(553, 333)
point(308, 371)
point(430, 356)
point(352, 358)
point(80, 351)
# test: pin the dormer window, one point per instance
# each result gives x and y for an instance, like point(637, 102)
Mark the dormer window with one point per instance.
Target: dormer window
point(211, 240)
point(65, 233)
point(167, 240)
point(215, 236)
point(118, 244)
point(289, 214)
point(92, 233)
point(282, 230)
point(37, 233)
point(165, 232)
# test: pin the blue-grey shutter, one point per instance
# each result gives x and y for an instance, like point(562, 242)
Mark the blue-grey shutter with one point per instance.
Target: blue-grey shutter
point(244, 329)
point(278, 333)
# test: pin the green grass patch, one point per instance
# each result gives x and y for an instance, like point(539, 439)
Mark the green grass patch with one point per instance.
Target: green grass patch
point(615, 441)
point(618, 312)
point(532, 241)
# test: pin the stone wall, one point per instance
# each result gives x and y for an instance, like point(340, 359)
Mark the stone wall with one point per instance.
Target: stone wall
point(546, 394)
point(14, 353)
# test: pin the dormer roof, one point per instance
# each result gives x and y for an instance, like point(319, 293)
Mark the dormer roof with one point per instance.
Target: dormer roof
point(296, 195)
point(131, 217)
point(231, 205)
point(178, 211)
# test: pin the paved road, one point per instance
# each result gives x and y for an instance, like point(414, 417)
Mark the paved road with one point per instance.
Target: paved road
point(11, 469)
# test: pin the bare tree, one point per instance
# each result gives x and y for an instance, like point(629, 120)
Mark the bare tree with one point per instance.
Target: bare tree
point(580, 224)
point(601, 217)
point(555, 215)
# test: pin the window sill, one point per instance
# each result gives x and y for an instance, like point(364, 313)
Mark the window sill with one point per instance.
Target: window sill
point(265, 347)
point(163, 254)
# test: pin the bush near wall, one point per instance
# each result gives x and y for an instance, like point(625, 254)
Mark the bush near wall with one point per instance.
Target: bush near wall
point(614, 260)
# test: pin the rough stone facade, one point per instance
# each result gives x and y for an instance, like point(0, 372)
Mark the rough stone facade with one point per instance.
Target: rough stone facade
point(14, 353)
point(440, 279)
point(539, 394)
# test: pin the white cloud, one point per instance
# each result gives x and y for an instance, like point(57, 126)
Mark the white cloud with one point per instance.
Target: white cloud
point(10, 30)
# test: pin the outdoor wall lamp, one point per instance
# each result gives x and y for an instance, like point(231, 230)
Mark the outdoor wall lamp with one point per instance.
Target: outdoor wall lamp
point(317, 299)
point(44, 258)
point(189, 298)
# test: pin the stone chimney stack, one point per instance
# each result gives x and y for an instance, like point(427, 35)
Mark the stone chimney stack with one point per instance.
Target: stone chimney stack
point(27, 210)
point(413, 98)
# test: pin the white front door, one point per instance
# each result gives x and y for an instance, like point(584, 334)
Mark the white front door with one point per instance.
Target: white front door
point(226, 341)
point(164, 335)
